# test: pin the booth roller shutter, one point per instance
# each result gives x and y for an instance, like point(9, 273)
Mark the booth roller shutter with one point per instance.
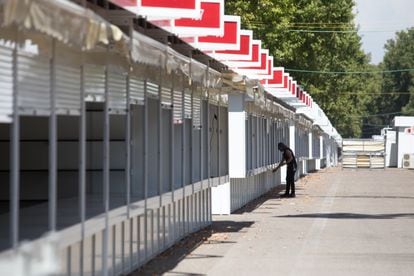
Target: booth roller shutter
point(68, 89)
point(33, 73)
point(152, 89)
point(117, 92)
point(6, 84)
point(136, 90)
point(166, 96)
point(178, 106)
point(197, 111)
point(67, 64)
point(94, 83)
point(187, 103)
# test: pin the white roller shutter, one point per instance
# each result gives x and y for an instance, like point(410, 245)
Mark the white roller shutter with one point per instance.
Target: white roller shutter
point(117, 91)
point(33, 74)
point(197, 111)
point(6, 84)
point(67, 79)
point(178, 107)
point(166, 96)
point(187, 103)
point(136, 90)
point(94, 82)
point(152, 89)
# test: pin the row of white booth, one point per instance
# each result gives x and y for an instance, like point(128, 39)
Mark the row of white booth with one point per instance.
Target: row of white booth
point(118, 139)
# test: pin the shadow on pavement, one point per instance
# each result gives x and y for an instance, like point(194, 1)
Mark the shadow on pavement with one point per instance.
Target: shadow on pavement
point(350, 216)
point(368, 196)
point(256, 203)
point(186, 274)
point(212, 234)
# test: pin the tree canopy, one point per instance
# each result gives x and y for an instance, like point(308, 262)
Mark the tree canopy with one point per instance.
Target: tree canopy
point(317, 35)
point(399, 55)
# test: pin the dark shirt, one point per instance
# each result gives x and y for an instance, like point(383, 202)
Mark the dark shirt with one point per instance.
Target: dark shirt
point(292, 165)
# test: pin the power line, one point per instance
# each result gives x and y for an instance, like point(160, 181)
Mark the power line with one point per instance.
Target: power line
point(376, 115)
point(375, 93)
point(374, 125)
point(339, 31)
point(318, 23)
point(346, 29)
point(349, 72)
point(332, 25)
point(318, 31)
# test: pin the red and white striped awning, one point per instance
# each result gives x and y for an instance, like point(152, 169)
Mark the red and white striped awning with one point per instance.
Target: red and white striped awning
point(264, 71)
point(278, 78)
point(162, 9)
point(255, 59)
point(230, 40)
point(202, 24)
point(211, 21)
point(244, 53)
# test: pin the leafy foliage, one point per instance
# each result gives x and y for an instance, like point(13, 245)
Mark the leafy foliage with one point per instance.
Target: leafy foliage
point(345, 98)
point(399, 54)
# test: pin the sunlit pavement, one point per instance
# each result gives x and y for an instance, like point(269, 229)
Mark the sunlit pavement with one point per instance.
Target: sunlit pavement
point(342, 222)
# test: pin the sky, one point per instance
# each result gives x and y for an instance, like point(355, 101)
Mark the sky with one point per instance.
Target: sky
point(378, 21)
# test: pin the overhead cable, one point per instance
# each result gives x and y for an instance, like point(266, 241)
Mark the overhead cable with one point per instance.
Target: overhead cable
point(376, 115)
point(350, 72)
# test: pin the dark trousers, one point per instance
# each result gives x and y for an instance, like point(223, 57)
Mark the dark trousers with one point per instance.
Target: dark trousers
point(290, 180)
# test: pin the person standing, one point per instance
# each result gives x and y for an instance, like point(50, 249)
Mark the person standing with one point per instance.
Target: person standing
point(288, 159)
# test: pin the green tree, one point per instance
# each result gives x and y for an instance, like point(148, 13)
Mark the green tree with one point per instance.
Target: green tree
point(295, 31)
point(398, 87)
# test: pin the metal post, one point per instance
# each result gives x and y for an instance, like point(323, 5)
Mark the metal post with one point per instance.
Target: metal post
point(201, 193)
point(138, 225)
point(274, 148)
point(257, 141)
point(15, 157)
point(265, 138)
point(262, 141)
point(192, 125)
point(250, 137)
point(128, 141)
point(122, 247)
point(52, 142)
point(106, 174)
point(191, 155)
point(113, 248)
point(128, 147)
point(146, 169)
point(93, 253)
point(159, 139)
point(183, 159)
point(131, 238)
point(202, 129)
point(82, 161)
point(208, 140)
point(172, 180)
point(269, 128)
point(159, 158)
point(218, 138)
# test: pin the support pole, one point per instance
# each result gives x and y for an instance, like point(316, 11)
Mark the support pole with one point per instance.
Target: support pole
point(52, 143)
point(106, 173)
point(15, 157)
point(82, 161)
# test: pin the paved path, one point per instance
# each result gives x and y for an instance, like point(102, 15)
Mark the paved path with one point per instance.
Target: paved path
point(340, 223)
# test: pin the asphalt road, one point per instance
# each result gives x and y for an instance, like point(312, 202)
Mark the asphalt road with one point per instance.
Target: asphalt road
point(342, 222)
